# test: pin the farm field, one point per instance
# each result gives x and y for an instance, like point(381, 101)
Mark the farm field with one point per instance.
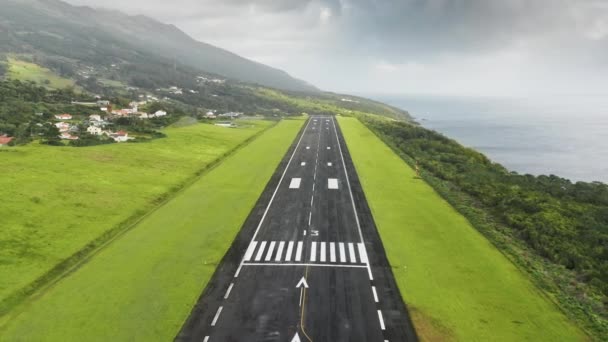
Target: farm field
point(143, 285)
point(26, 71)
point(457, 286)
point(62, 198)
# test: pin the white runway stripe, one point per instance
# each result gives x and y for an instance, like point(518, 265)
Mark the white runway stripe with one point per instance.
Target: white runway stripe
point(270, 250)
point(260, 251)
point(299, 251)
point(250, 250)
point(342, 252)
point(280, 251)
point(322, 251)
point(362, 253)
point(289, 250)
point(313, 252)
point(351, 253)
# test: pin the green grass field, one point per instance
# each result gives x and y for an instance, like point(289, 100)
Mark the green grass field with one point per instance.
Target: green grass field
point(61, 198)
point(142, 286)
point(26, 71)
point(457, 285)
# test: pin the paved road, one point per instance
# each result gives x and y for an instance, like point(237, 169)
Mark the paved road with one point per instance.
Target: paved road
point(308, 264)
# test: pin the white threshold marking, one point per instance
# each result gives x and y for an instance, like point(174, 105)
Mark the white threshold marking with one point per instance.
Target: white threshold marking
point(258, 256)
point(332, 183)
point(228, 292)
point(217, 315)
point(313, 252)
point(279, 251)
point(375, 294)
point(289, 250)
point(362, 253)
point(250, 250)
point(299, 251)
point(302, 264)
point(328, 164)
point(322, 251)
point(332, 252)
point(295, 183)
point(342, 252)
point(381, 320)
point(270, 250)
point(351, 253)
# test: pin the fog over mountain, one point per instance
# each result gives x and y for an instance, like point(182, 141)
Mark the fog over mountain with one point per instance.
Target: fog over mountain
point(488, 47)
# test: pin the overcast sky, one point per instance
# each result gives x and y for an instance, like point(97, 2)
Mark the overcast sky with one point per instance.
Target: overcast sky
point(471, 47)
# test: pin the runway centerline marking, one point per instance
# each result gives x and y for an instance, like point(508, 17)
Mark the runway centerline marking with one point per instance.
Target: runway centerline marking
point(328, 164)
point(381, 320)
point(375, 294)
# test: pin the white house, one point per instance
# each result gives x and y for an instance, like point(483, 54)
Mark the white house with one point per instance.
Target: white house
point(120, 136)
point(94, 117)
point(62, 126)
point(94, 130)
point(160, 113)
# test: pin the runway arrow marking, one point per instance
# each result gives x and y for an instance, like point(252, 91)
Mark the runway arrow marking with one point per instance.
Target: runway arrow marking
point(296, 338)
point(301, 283)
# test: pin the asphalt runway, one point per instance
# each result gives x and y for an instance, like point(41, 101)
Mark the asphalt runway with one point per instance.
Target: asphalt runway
point(308, 264)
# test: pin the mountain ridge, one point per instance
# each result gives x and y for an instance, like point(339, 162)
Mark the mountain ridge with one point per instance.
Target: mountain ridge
point(151, 36)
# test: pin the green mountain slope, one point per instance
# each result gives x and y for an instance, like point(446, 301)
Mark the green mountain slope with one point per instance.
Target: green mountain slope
point(52, 27)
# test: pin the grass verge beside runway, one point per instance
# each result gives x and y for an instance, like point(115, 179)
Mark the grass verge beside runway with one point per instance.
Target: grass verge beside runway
point(457, 286)
point(143, 285)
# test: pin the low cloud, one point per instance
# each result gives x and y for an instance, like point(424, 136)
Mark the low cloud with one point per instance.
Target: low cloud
point(471, 46)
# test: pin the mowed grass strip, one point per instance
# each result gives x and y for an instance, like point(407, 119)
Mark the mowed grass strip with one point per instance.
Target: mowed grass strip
point(26, 71)
point(457, 286)
point(58, 199)
point(143, 285)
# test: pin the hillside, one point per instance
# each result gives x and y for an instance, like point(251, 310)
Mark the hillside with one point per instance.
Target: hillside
point(56, 29)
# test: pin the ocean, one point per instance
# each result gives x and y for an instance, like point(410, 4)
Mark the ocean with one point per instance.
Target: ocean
point(563, 135)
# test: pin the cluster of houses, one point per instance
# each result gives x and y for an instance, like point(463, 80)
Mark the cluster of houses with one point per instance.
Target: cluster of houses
point(203, 79)
point(212, 114)
point(133, 111)
point(96, 127)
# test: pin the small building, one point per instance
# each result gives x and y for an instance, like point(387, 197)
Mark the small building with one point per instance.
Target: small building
point(94, 130)
point(68, 136)
point(63, 117)
point(62, 126)
point(5, 140)
point(94, 117)
point(120, 136)
point(226, 124)
point(103, 103)
point(210, 115)
point(160, 113)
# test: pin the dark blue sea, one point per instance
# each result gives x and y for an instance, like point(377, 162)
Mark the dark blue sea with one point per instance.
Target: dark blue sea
point(561, 135)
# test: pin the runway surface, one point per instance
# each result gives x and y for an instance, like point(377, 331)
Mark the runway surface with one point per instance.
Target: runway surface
point(308, 264)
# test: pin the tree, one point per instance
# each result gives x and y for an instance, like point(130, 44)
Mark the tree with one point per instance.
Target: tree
point(51, 135)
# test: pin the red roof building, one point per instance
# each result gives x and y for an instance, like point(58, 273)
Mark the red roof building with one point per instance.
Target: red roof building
point(4, 140)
